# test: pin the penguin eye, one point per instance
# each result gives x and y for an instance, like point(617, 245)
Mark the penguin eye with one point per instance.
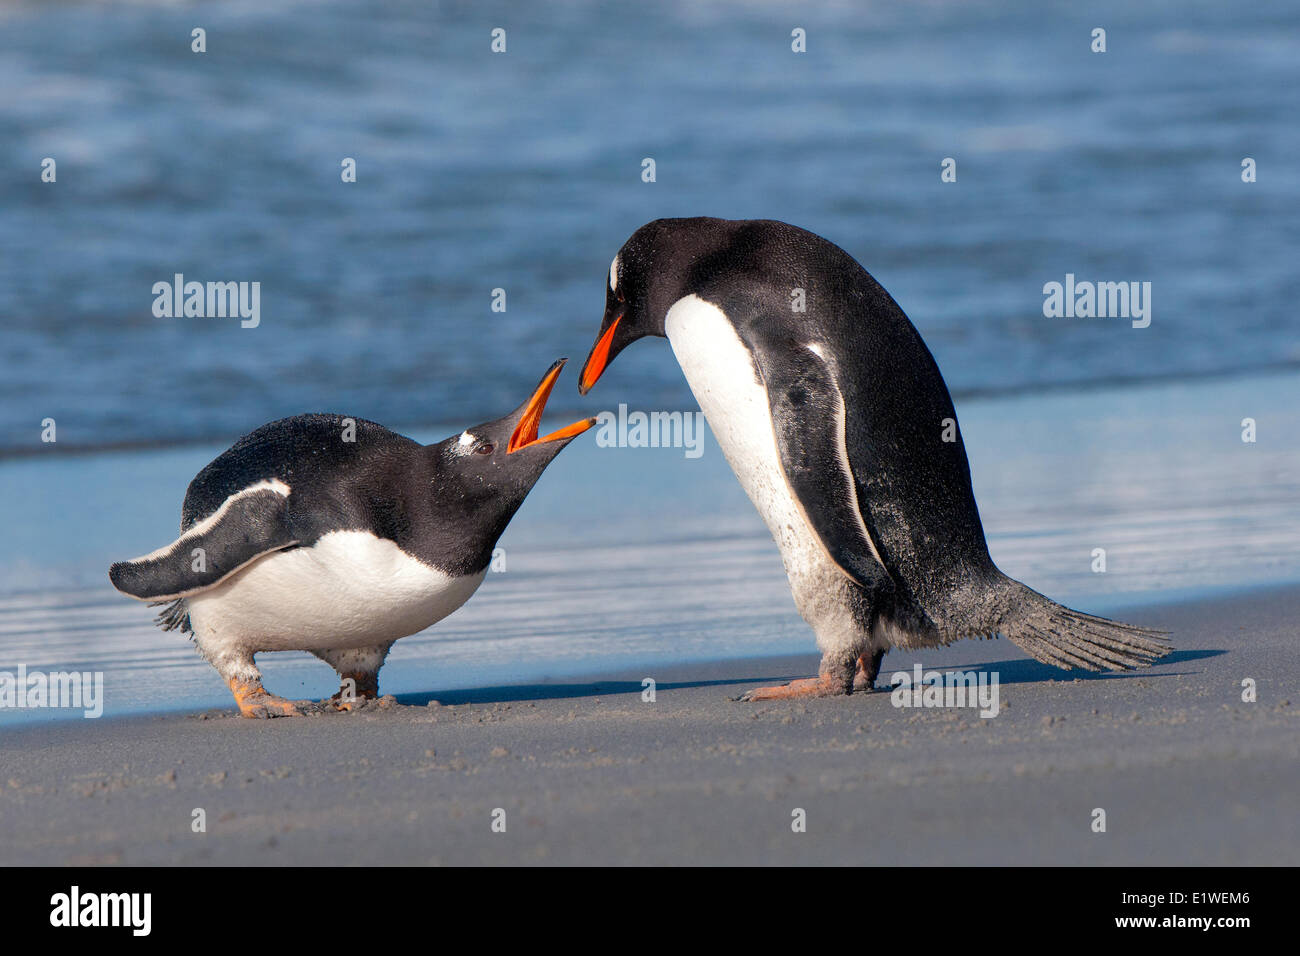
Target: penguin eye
point(485, 449)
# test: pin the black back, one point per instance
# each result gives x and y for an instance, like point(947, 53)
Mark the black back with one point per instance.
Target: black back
point(384, 483)
point(914, 488)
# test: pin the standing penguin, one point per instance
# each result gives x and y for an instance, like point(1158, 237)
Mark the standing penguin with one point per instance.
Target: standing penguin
point(337, 536)
point(838, 425)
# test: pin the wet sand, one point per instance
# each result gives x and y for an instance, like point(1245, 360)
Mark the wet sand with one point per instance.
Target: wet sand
point(586, 771)
point(633, 556)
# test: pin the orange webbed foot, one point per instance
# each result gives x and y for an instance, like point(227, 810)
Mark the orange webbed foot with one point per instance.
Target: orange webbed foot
point(254, 701)
point(823, 686)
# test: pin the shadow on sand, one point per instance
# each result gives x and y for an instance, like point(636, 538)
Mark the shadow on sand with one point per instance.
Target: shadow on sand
point(523, 692)
point(1029, 671)
point(1022, 671)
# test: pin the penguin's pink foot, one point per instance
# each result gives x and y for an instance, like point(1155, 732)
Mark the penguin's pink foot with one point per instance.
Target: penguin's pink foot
point(864, 681)
point(356, 687)
point(254, 701)
point(823, 686)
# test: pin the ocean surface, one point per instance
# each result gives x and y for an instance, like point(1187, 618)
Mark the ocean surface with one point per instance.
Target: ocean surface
point(522, 171)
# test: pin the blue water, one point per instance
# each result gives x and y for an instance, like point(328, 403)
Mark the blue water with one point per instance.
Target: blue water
point(522, 171)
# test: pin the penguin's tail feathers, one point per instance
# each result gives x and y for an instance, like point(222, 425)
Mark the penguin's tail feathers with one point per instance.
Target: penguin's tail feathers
point(174, 616)
point(1065, 638)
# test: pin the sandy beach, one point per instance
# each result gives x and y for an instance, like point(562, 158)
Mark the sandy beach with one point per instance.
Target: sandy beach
point(539, 677)
point(586, 771)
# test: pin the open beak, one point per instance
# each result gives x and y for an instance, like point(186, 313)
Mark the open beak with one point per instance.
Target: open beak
point(525, 432)
point(598, 359)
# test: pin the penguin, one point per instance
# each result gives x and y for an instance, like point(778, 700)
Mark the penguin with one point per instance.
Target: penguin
point(337, 536)
point(837, 422)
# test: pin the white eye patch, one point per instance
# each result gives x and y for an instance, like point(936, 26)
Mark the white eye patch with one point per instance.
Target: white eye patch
point(466, 441)
point(613, 275)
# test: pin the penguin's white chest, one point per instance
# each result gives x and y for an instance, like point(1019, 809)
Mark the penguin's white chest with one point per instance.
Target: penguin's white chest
point(350, 589)
point(721, 374)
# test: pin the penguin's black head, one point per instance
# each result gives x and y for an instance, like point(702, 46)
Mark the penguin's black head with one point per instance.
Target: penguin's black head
point(491, 467)
point(655, 268)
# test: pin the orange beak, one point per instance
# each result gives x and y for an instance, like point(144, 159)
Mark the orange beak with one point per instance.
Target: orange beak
point(525, 432)
point(598, 359)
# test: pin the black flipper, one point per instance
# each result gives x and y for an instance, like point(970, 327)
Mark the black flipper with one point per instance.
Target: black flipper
point(808, 418)
point(247, 526)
